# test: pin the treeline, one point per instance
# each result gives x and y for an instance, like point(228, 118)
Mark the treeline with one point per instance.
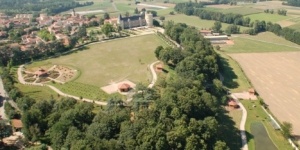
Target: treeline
point(292, 3)
point(182, 112)
point(45, 6)
point(238, 19)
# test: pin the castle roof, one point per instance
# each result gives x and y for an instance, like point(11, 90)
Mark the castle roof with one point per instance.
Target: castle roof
point(132, 18)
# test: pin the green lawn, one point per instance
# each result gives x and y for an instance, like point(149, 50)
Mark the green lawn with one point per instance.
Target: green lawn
point(266, 42)
point(123, 7)
point(164, 12)
point(196, 21)
point(257, 114)
point(104, 5)
point(37, 92)
point(261, 137)
point(243, 10)
point(234, 77)
point(267, 17)
point(82, 90)
point(102, 63)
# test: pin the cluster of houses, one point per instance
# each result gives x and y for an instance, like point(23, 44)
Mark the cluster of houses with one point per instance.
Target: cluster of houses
point(56, 25)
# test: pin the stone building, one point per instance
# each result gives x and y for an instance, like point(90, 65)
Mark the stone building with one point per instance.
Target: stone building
point(144, 19)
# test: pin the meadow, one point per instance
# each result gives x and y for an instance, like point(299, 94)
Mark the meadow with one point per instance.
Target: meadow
point(263, 42)
point(102, 63)
point(268, 17)
point(197, 22)
point(243, 10)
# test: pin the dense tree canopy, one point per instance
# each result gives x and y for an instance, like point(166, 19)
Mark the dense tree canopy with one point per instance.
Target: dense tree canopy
point(45, 6)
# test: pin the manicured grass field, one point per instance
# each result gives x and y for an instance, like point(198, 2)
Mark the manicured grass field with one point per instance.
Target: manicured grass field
point(82, 90)
point(112, 61)
point(261, 137)
point(123, 7)
point(243, 10)
point(163, 12)
point(267, 17)
point(265, 42)
point(37, 92)
point(257, 114)
point(196, 21)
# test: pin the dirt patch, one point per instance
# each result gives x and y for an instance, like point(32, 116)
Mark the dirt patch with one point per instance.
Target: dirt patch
point(113, 87)
point(275, 77)
point(230, 42)
point(66, 73)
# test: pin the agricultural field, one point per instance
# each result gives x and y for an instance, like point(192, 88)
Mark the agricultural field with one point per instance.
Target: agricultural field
point(268, 17)
point(261, 137)
point(243, 10)
point(275, 78)
point(102, 63)
point(196, 21)
point(263, 42)
point(296, 27)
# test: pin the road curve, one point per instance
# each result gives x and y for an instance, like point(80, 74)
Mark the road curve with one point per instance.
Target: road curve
point(242, 124)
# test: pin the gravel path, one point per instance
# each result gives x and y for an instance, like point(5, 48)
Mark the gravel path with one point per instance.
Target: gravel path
point(242, 125)
point(3, 94)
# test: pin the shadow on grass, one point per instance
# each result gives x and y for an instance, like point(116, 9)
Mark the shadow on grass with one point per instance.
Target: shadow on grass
point(228, 73)
point(228, 132)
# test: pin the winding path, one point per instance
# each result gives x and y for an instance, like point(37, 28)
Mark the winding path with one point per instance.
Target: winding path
point(22, 81)
point(242, 124)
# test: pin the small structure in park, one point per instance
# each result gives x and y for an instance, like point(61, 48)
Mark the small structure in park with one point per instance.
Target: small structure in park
point(233, 104)
point(16, 124)
point(41, 72)
point(124, 87)
point(251, 91)
point(159, 67)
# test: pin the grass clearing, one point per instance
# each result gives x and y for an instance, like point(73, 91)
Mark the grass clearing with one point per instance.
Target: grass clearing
point(197, 22)
point(234, 77)
point(257, 114)
point(82, 90)
point(267, 17)
point(261, 137)
point(261, 43)
point(37, 92)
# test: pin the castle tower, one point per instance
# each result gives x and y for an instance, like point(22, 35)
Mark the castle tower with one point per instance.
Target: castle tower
point(73, 12)
point(149, 19)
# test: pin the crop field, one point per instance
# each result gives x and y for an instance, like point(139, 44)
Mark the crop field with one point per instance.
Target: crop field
point(267, 17)
point(103, 63)
point(275, 77)
point(261, 137)
point(243, 10)
point(196, 21)
point(295, 26)
point(264, 42)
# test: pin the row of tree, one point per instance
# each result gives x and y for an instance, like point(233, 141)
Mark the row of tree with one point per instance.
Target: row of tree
point(238, 19)
point(30, 6)
point(292, 3)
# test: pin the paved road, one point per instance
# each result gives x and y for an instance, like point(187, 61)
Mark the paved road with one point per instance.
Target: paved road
point(3, 95)
point(242, 124)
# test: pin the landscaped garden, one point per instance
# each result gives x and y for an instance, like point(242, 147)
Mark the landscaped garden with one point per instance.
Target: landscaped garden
point(104, 63)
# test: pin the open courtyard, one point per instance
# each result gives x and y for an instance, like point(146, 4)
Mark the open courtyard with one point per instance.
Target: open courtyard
point(276, 78)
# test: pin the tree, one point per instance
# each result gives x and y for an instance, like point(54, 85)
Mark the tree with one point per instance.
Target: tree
point(287, 129)
point(127, 14)
point(220, 146)
point(106, 16)
point(157, 51)
point(107, 29)
point(232, 29)
point(217, 26)
point(172, 13)
point(136, 11)
point(162, 18)
point(101, 21)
